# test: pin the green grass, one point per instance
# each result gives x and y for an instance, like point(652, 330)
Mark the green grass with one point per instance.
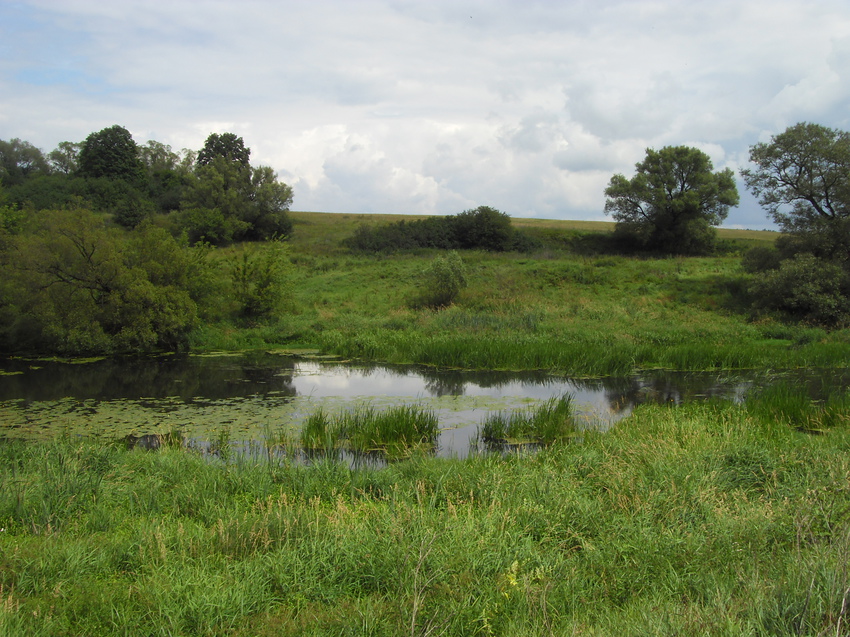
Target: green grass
point(555, 309)
point(705, 519)
point(552, 421)
point(394, 432)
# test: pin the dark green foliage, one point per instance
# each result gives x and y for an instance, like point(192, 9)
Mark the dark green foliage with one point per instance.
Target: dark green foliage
point(483, 228)
point(19, 161)
point(167, 174)
point(111, 153)
point(442, 281)
point(77, 286)
point(805, 288)
point(49, 191)
point(672, 202)
point(761, 259)
point(802, 179)
point(226, 146)
point(226, 201)
point(64, 159)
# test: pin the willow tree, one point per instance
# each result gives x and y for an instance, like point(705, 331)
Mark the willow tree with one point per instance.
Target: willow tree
point(672, 202)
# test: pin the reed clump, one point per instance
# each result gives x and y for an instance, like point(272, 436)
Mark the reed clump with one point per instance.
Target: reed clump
point(393, 432)
point(552, 421)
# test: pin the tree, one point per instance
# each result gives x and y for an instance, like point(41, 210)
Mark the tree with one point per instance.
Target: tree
point(64, 159)
point(229, 200)
point(20, 160)
point(111, 153)
point(227, 145)
point(672, 201)
point(442, 281)
point(802, 179)
point(484, 227)
point(76, 285)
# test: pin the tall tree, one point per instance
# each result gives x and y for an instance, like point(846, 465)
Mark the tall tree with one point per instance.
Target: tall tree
point(802, 177)
point(111, 153)
point(229, 200)
point(64, 159)
point(227, 145)
point(672, 201)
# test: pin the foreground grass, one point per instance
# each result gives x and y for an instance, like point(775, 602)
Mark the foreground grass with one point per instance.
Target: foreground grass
point(553, 310)
point(709, 519)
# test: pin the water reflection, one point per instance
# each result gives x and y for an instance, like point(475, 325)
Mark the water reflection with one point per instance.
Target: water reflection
point(257, 395)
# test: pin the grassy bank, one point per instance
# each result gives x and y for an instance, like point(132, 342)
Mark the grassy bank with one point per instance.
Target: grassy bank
point(554, 309)
point(707, 519)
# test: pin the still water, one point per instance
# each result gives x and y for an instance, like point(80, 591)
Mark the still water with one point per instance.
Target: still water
point(263, 396)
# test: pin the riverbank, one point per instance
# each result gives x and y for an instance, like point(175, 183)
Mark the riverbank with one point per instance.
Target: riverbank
point(560, 308)
point(710, 518)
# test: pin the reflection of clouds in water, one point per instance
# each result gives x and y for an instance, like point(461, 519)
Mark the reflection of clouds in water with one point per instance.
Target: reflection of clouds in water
point(313, 379)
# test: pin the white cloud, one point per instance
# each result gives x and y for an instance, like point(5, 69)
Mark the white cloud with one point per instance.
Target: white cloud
point(431, 107)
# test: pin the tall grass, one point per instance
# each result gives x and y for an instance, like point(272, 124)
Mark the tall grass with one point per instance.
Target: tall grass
point(394, 432)
point(704, 519)
point(552, 421)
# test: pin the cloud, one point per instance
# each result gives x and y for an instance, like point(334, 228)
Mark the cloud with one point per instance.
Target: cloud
point(431, 107)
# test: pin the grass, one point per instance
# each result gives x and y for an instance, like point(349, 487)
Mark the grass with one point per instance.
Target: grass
point(394, 432)
point(557, 309)
point(705, 519)
point(552, 421)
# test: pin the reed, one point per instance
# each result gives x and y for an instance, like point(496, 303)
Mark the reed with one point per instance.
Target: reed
point(394, 432)
point(552, 421)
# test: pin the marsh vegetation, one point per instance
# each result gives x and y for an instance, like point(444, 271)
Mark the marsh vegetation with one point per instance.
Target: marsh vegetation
point(686, 518)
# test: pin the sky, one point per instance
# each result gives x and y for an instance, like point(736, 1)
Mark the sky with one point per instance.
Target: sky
point(432, 107)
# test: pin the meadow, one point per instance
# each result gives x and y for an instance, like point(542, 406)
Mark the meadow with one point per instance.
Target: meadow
point(564, 307)
point(706, 519)
point(709, 518)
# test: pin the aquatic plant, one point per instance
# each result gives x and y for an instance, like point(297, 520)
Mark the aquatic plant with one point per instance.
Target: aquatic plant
point(553, 420)
point(394, 432)
point(787, 404)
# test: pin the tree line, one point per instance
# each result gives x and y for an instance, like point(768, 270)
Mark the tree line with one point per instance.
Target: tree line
point(105, 245)
point(214, 194)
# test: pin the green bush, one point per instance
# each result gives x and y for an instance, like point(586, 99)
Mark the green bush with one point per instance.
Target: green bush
point(805, 288)
point(442, 281)
point(76, 285)
point(483, 228)
point(261, 283)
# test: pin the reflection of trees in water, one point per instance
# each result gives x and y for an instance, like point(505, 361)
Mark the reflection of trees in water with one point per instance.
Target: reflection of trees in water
point(261, 374)
point(184, 377)
point(454, 382)
point(671, 388)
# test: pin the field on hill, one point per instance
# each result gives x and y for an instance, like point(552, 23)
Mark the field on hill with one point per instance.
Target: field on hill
point(560, 307)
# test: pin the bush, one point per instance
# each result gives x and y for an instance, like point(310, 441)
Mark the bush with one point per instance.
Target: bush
point(805, 288)
point(443, 280)
point(261, 283)
point(483, 228)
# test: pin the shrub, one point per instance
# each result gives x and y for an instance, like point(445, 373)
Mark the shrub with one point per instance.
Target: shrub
point(483, 228)
point(805, 288)
point(443, 280)
point(261, 280)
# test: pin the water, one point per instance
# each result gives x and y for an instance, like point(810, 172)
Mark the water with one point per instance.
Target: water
point(267, 396)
